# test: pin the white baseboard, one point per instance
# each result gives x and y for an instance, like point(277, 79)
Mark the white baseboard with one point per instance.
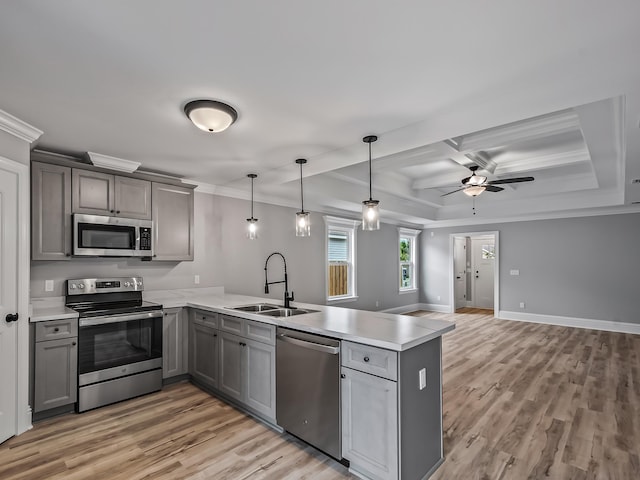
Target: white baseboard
point(431, 307)
point(605, 325)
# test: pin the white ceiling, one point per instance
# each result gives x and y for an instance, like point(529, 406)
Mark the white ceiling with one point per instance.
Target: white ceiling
point(310, 79)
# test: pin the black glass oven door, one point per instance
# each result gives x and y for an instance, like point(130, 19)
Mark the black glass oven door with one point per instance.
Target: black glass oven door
point(106, 237)
point(109, 345)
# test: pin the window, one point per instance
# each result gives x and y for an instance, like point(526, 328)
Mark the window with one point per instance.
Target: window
point(407, 239)
point(341, 254)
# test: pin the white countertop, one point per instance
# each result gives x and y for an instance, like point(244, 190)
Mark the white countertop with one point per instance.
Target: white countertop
point(385, 330)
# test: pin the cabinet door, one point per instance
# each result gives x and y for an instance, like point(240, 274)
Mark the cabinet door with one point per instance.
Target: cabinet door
point(370, 424)
point(172, 222)
point(93, 192)
point(260, 377)
point(56, 373)
point(204, 355)
point(50, 212)
point(174, 343)
point(231, 352)
point(132, 198)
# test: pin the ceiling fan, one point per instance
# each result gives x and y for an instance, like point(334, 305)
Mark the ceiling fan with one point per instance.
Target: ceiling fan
point(476, 184)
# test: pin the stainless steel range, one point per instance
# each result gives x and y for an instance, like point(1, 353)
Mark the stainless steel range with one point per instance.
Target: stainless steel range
point(119, 340)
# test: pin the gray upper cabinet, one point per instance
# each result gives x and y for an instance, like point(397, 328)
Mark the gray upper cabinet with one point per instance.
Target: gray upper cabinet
point(99, 193)
point(133, 198)
point(93, 192)
point(172, 222)
point(50, 212)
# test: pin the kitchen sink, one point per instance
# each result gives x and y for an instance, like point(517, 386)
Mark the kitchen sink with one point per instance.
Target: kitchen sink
point(256, 308)
point(286, 312)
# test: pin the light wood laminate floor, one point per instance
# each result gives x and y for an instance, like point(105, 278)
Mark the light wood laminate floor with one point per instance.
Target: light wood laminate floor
point(521, 401)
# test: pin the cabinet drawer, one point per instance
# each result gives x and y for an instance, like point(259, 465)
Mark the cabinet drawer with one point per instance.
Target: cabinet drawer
point(262, 332)
point(232, 324)
point(55, 329)
point(373, 360)
point(208, 319)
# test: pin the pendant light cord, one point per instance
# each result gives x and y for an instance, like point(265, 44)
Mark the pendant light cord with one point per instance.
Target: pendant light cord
point(251, 198)
point(370, 194)
point(301, 192)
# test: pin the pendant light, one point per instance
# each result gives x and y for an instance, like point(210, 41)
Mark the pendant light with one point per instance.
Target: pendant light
point(303, 225)
point(370, 212)
point(252, 223)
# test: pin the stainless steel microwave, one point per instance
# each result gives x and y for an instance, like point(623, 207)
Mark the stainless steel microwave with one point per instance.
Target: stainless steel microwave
point(102, 236)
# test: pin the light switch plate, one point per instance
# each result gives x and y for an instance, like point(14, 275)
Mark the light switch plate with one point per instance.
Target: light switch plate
point(514, 272)
point(422, 374)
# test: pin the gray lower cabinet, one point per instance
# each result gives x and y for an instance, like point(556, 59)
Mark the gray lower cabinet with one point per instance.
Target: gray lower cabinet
point(175, 338)
point(204, 351)
point(247, 372)
point(370, 423)
point(391, 413)
point(172, 214)
point(50, 212)
point(55, 364)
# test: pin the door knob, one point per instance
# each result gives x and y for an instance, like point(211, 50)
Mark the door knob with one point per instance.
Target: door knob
point(11, 317)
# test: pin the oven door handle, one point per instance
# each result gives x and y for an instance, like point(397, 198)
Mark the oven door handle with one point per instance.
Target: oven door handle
point(124, 317)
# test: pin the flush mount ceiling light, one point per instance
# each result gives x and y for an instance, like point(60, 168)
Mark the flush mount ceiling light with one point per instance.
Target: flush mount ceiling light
point(303, 225)
point(252, 223)
point(370, 212)
point(210, 116)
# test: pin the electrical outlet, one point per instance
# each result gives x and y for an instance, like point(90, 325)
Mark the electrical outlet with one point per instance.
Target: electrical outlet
point(438, 297)
point(377, 303)
point(422, 379)
point(521, 304)
point(196, 279)
point(48, 285)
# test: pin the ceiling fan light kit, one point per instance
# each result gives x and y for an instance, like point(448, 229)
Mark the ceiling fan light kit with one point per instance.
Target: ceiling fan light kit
point(476, 184)
point(474, 190)
point(370, 210)
point(303, 223)
point(210, 115)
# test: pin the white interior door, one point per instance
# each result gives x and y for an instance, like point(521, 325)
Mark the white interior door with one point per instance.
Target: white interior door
point(9, 233)
point(459, 271)
point(483, 256)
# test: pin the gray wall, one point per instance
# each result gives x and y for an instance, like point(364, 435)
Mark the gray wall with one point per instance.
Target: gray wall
point(223, 256)
point(377, 263)
point(583, 267)
point(208, 258)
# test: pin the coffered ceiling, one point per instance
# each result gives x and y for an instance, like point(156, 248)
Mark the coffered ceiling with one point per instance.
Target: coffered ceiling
point(545, 89)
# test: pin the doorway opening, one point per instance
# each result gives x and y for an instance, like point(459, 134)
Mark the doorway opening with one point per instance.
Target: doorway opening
point(474, 271)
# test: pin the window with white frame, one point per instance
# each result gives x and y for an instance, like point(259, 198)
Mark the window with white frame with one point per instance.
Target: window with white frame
point(341, 258)
point(407, 257)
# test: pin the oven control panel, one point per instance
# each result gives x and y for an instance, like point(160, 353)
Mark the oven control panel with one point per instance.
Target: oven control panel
point(82, 286)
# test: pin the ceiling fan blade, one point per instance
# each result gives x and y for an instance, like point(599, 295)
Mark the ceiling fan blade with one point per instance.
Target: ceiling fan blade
point(511, 180)
point(491, 188)
point(458, 190)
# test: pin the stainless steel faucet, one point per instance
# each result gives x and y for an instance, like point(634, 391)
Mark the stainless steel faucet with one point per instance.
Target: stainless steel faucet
point(287, 298)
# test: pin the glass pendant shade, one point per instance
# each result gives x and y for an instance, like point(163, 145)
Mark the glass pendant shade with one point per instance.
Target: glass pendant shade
point(370, 211)
point(252, 223)
point(303, 224)
point(474, 190)
point(252, 228)
point(370, 215)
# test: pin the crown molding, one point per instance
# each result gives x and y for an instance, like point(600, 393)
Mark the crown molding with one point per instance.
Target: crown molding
point(18, 128)
point(113, 163)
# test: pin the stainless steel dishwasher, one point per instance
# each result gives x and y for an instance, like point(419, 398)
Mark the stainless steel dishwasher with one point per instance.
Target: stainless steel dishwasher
point(308, 388)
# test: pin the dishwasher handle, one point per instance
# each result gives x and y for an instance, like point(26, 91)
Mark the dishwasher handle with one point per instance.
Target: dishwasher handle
point(310, 345)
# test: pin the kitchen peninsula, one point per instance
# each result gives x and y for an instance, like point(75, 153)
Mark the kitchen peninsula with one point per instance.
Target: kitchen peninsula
point(390, 369)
